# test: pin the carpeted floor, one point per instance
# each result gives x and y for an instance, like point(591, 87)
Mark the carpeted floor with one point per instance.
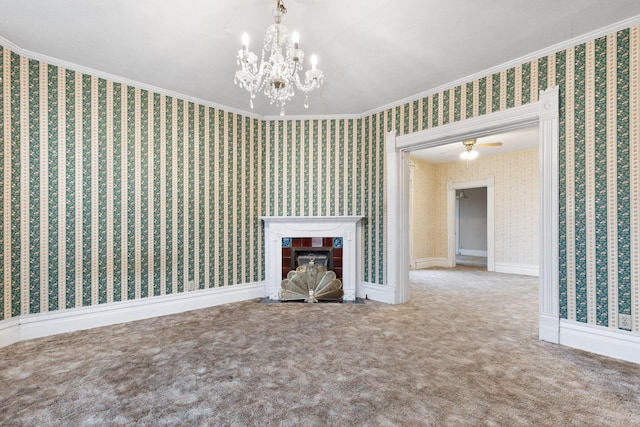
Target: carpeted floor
point(464, 352)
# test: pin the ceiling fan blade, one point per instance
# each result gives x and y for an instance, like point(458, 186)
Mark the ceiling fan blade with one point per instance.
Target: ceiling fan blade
point(490, 144)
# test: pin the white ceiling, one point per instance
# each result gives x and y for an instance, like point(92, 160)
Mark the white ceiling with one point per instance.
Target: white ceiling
point(517, 140)
point(373, 52)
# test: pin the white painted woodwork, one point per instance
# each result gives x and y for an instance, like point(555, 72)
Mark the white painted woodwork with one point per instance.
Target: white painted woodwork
point(545, 114)
point(451, 225)
point(32, 326)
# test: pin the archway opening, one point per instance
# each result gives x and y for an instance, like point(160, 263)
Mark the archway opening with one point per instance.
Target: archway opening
point(544, 114)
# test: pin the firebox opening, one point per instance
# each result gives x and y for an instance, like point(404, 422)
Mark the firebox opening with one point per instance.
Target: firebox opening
point(321, 256)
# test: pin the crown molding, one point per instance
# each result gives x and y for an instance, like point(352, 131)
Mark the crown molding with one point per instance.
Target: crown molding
point(129, 82)
point(312, 117)
point(592, 35)
point(118, 79)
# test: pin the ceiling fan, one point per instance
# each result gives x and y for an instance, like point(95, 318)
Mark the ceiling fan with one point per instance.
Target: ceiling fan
point(469, 153)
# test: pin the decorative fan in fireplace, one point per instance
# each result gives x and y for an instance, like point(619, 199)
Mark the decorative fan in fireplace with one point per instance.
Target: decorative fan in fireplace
point(311, 283)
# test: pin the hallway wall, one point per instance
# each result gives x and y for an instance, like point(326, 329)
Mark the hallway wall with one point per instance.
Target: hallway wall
point(516, 204)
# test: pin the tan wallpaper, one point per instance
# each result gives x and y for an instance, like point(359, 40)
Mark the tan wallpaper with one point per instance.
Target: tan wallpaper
point(516, 208)
point(424, 199)
point(516, 204)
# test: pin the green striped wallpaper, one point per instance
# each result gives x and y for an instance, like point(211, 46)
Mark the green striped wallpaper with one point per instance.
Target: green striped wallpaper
point(330, 167)
point(110, 192)
point(113, 193)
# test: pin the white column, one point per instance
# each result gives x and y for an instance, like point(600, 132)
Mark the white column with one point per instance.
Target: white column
point(549, 217)
point(397, 204)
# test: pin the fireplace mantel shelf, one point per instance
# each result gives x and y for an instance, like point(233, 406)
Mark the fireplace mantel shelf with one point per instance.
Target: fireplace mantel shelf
point(299, 219)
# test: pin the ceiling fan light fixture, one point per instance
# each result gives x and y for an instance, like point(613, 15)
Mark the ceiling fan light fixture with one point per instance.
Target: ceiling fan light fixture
point(469, 155)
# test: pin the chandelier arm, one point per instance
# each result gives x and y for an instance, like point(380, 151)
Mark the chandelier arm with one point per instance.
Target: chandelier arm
point(302, 87)
point(294, 71)
point(309, 85)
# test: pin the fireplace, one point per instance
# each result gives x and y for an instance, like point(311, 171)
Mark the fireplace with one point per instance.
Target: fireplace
point(327, 251)
point(339, 238)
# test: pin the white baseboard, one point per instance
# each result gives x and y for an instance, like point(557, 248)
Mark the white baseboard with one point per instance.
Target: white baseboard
point(375, 292)
point(473, 252)
point(549, 328)
point(512, 268)
point(600, 340)
point(596, 339)
point(76, 319)
point(9, 332)
point(421, 263)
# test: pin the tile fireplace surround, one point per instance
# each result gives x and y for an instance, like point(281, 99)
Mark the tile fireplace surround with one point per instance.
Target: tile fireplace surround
point(347, 227)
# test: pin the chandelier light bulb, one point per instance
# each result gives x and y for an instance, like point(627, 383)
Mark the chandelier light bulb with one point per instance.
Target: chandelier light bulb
point(295, 38)
point(245, 41)
point(314, 61)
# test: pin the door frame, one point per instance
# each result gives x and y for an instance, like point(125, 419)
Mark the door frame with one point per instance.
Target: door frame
point(544, 113)
point(453, 210)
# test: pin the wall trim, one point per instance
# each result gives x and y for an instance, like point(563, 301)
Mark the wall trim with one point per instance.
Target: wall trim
point(489, 124)
point(123, 80)
point(489, 183)
point(76, 319)
point(558, 47)
point(9, 331)
point(548, 327)
point(397, 209)
point(544, 112)
point(513, 268)
point(618, 344)
point(292, 117)
point(375, 292)
point(421, 263)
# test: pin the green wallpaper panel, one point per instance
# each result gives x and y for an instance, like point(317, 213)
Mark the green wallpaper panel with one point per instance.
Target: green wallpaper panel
point(103, 191)
point(623, 108)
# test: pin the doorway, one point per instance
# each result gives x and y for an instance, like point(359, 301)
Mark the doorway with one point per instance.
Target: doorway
point(489, 226)
point(544, 113)
point(470, 219)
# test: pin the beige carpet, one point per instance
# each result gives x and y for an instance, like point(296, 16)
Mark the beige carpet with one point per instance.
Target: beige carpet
point(464, 351)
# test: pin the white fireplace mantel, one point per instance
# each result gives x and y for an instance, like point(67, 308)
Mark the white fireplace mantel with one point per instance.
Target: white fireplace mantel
point(347, 227)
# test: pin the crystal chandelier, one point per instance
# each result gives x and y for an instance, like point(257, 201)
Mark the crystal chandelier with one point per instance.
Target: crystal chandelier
point(278, 71)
